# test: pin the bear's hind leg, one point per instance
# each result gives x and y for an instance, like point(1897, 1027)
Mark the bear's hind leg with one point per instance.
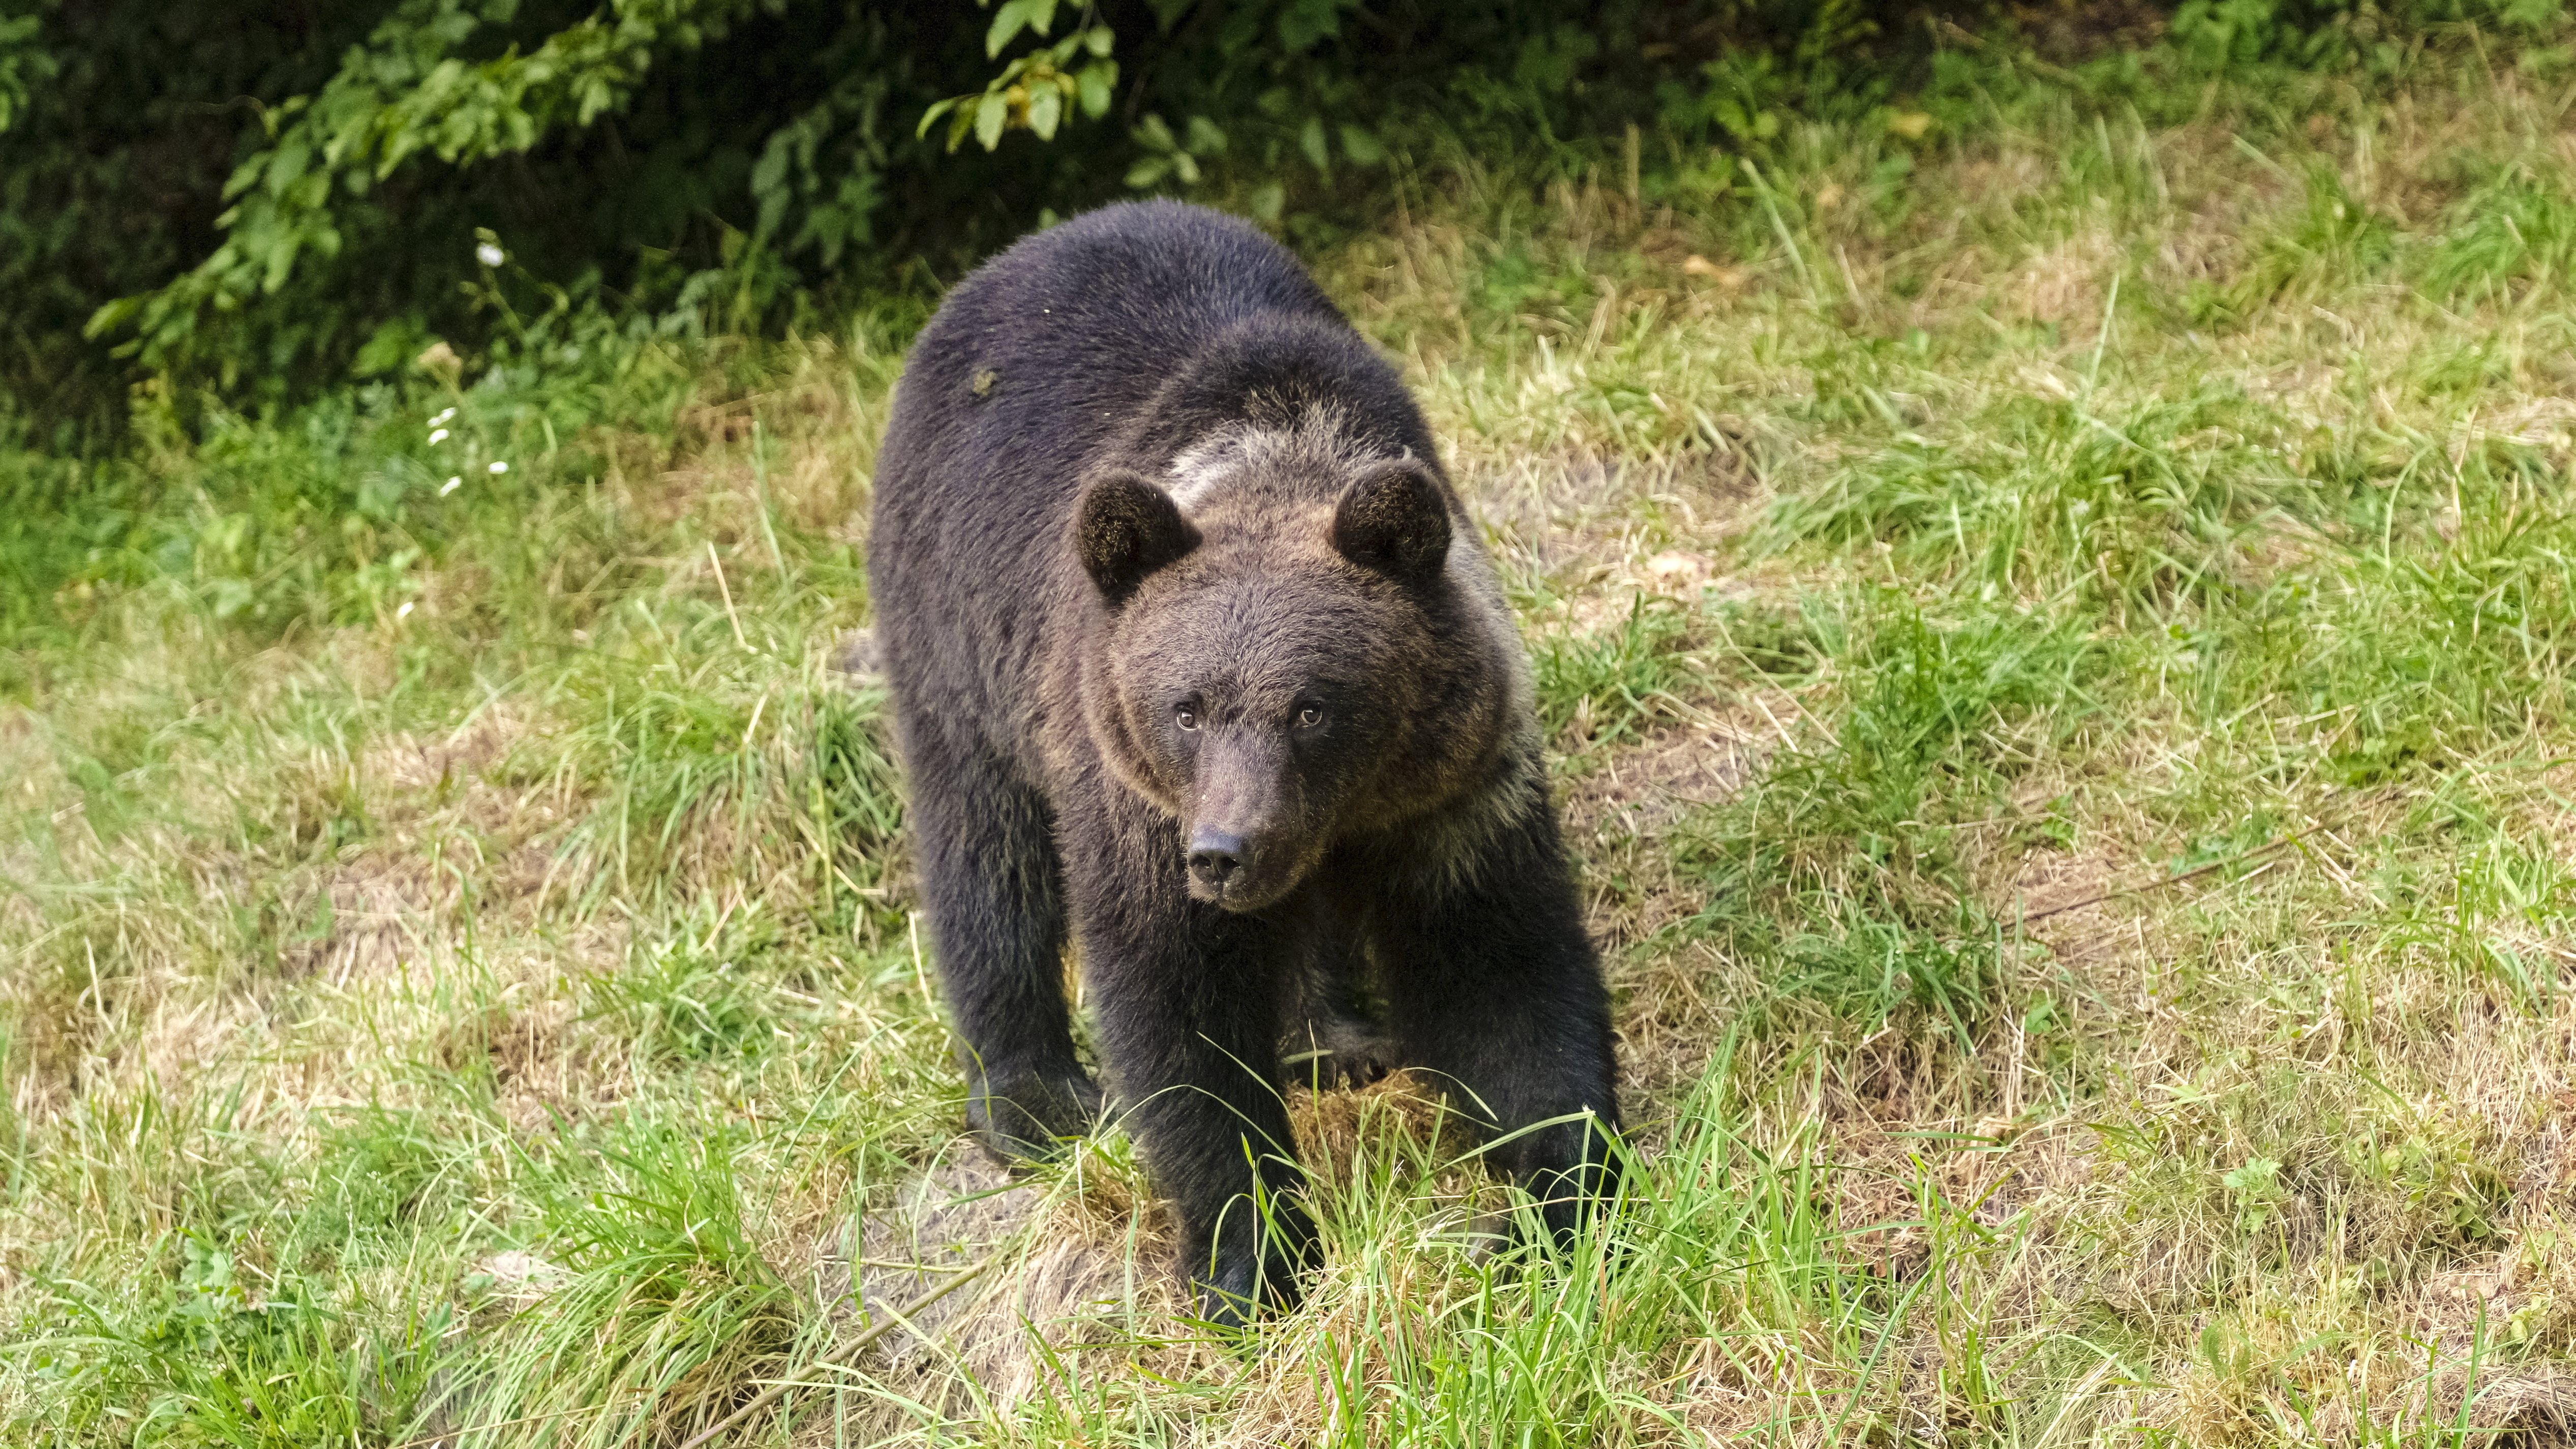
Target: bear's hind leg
point(992, 886)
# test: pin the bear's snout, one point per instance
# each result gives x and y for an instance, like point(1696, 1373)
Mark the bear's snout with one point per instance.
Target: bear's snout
point(1241, 838)
point(1215, 856)
point(1234, 868)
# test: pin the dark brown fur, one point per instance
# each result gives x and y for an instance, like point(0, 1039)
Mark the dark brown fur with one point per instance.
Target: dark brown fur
point(1196, 660)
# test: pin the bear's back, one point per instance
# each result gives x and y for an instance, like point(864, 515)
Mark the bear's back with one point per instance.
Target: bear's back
point(1139, 272)
point(1042, 355)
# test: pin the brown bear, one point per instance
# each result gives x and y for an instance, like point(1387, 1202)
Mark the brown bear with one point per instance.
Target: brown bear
point(1197, 658)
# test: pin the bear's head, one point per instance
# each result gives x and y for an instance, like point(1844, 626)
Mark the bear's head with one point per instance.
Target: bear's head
point(1285, 666)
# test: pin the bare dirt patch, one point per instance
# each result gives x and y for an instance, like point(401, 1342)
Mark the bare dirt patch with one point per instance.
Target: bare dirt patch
point(2065, 283)
point(1619, 816)
point(1644, 788)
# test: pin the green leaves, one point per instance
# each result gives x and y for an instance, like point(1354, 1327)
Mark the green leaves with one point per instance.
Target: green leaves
point(1310, 140)
point(1093, 86)
point(990, 113)
point(405, 93)
point(825, 167)
point(1170, 156)
point(22, 65)
point(1035, 15)
point(2255, 1188)
point(1184, 158)
point(1305, 23)
point(1031, 93)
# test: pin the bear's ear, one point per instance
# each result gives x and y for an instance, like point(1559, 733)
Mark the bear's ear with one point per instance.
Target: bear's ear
point(1394, 519)
point(1126, 529)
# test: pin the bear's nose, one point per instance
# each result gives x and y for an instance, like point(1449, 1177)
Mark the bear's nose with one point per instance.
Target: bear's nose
point(1215, 855)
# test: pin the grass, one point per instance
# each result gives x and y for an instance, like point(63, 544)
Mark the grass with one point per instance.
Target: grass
point(2058, 638)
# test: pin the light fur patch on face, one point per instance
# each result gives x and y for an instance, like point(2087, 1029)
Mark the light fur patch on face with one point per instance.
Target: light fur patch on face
point(1322, 440)
point(1199, 468)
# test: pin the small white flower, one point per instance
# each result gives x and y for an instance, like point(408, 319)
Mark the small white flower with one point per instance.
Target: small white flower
point(443, 416)
point(490, 255)
point(450, 486)
point(500, 468)
point(438, 435)
point(405, 611)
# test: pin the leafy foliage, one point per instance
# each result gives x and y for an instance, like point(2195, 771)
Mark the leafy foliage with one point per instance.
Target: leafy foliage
point(410, 89)
point(264, 202)
point(267, 203)
point(22, 65)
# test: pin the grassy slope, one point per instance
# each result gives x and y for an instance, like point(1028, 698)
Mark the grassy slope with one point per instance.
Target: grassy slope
point(457, 968)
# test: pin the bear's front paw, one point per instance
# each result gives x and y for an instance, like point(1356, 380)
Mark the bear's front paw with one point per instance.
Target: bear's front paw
point(1242, 1282)
point(1560, 1204)
point(1029, 1116)
point(1341, 1051)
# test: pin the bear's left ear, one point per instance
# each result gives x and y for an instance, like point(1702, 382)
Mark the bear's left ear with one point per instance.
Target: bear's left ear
point(1395, 520)
point(1126, 529)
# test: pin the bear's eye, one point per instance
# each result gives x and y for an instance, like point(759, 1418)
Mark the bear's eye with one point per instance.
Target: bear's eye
point(1309, 717)
point(1186, 717)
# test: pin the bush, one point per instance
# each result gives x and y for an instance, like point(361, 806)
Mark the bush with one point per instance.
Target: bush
point(264, 202)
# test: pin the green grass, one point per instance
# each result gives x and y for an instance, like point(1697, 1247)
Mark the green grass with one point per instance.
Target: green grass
point(2057, 636)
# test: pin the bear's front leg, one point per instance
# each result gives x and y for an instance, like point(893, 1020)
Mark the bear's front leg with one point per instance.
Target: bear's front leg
point(1186, 1001)
point(1497, 993)
point(1332, 1038)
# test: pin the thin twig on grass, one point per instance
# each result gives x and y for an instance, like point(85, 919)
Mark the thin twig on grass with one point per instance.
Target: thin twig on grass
point(727, 590)
point(2197, 871)
point(2171, 880)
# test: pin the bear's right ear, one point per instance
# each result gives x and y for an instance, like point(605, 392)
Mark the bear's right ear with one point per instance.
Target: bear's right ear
point(1393, 519)
point(1126, 529)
